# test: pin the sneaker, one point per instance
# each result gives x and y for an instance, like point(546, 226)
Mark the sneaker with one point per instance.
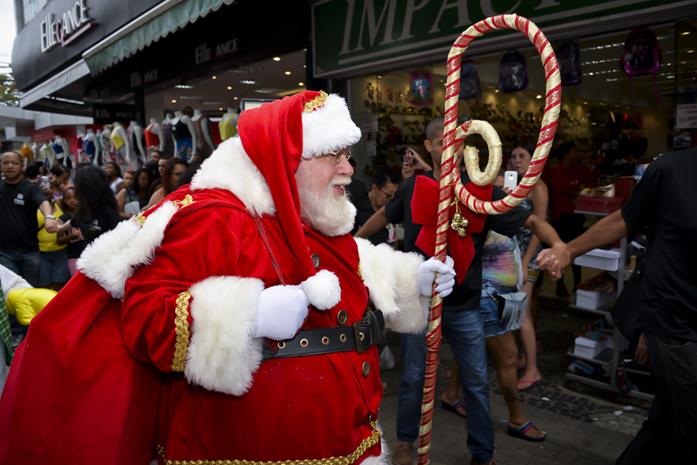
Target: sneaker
point(403, 453)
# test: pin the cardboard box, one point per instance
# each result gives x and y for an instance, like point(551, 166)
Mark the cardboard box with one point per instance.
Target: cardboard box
point(600, 259)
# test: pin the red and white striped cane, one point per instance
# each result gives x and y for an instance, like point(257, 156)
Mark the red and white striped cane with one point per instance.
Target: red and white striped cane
point(449, 184)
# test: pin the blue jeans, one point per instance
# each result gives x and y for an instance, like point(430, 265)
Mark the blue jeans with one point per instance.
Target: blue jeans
point(464, 330)
point(25, 264)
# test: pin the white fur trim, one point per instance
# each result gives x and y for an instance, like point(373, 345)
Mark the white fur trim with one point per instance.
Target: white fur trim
point(322, 290)
point(391, 279)
point(223, 354)
point(229, 167)
point(112, 257)
point(328, 128)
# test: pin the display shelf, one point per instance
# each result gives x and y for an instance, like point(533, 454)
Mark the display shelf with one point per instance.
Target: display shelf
point(636, 371)
point(619, 342)
point(640, 394)
point(597, 311)
point(587, 359)
point(609, 385)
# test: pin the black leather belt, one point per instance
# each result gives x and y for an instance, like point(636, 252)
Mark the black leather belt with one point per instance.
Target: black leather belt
point(359, 337)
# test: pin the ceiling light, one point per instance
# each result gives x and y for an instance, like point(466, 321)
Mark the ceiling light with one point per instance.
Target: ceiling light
point(304, 66)
point(690, 51)
point(234, 98)
point(301, 84)
point(686, 33)
point(538, 96)
point(276, 58)
point(220, 109)
point(229, 87)
point(287, 73)
point(174, 101)
point(248, 82)
point(214, 77)
point(590, 74)
point(496, 91)
point(184, 86)
point(379, 76)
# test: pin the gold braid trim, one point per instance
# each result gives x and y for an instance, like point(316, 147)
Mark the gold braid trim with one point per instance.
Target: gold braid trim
point(316, 102)
point(365, 444)
point(181, 327)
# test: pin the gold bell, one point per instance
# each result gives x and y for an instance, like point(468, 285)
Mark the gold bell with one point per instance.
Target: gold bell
point(459, 223)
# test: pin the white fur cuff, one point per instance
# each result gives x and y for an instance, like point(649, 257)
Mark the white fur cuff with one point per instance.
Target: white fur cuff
point(322, 290)
point(223, 353)
point(391, 280)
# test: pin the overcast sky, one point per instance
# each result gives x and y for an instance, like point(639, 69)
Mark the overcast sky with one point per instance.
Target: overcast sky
point(7, 31)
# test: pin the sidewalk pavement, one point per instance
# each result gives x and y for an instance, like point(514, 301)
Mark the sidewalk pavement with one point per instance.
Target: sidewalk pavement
point(570, 441)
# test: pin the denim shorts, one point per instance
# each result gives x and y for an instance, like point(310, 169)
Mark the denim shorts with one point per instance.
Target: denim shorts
point(53, 268)
point(489, 308)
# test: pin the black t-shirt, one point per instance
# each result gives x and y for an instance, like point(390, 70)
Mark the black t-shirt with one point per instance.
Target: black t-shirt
point(18, 224)
point(358, 193)
point(664, 201)
point(465, 296)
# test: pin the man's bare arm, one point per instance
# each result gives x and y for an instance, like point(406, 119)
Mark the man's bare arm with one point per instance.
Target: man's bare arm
point(374, 224)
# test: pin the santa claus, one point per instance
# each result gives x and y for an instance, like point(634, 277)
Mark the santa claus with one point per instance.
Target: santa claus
point(232, 323)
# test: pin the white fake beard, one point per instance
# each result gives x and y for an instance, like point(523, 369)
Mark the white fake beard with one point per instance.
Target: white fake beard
point(328, 214)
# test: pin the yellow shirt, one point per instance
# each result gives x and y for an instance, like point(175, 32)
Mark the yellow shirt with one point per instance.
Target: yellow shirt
point(117, 140)
point(48, 242)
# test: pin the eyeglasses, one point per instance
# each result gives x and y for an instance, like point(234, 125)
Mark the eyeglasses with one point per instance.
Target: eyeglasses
point(338, 157)
point(388, 195)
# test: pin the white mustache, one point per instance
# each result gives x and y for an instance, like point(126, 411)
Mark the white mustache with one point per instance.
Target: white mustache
point(341, 181)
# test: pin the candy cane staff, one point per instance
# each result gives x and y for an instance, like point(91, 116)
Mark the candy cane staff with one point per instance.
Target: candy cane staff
point(450, 216)
point(230, 323)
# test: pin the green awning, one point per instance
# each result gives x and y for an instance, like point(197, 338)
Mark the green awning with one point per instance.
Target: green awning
point(163, 19)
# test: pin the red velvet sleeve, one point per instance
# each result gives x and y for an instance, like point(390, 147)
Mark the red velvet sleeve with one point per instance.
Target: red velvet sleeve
point(196, 246)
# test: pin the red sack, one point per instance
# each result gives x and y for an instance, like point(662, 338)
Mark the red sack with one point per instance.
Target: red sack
point(75, 395)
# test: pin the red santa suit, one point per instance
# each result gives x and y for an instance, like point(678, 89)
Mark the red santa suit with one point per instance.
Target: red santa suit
point(169, 333)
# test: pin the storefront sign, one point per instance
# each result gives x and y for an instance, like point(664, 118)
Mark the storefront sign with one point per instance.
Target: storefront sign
point(67, 27)
point(354, 35)
point(686, 116)
point(207, 51)
point(105, 114)
point(40, 47)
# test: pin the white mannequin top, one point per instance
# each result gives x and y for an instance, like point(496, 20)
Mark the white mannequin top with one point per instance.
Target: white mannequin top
point(203, 133)
point(105, 142)
point(136, 132)
point(179, 116)
point(120, 139)
point(155, 128)
point(65, 154)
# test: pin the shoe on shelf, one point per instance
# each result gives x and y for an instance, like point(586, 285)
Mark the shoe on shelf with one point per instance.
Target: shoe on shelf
point(402, 453)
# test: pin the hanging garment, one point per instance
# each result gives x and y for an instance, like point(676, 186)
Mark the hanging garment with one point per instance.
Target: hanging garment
point(151, 139)
point(168, 140)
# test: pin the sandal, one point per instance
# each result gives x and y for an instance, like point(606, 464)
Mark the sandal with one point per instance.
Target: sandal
point(454, 407)
point(521, 432)
point(522, 385)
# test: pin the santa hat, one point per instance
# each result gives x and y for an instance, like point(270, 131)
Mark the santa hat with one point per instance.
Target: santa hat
point(276, 136)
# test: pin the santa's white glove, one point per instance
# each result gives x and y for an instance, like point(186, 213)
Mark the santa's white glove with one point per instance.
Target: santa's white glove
point(282, 310)
point(426, 273)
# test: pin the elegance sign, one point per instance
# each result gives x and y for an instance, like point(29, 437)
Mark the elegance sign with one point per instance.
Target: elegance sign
point(66, 28)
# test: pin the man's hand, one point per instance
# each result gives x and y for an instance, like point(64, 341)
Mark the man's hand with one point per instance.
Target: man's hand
point(281, 313)
point(641, 354)
point(555, 260)
point(426, 274)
